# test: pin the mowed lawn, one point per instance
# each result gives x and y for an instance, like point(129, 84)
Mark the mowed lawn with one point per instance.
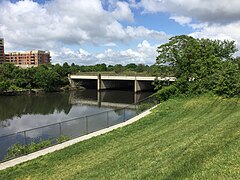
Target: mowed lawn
point(183, 138)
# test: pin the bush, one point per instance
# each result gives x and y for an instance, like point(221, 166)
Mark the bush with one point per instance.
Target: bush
point(166, 92)
point(32, 147)
point(62, 139)
point(19, 149)
point(15, 151)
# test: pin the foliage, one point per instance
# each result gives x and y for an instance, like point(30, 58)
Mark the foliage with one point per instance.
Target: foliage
point(144, 106)
point(166, 92)
point(62, 139)
point(147, 103)
point(118, 68)
point(228, 80)
point(4, 85)
point(46, 78)
point(200, 65)
point(32, 147)
point(183, 138)
point(19, 149)
point(15, 151)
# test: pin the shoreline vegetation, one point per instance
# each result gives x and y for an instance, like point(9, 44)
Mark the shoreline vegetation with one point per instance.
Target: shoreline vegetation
point(50, 78)
point(184, 137)
point(38, 91)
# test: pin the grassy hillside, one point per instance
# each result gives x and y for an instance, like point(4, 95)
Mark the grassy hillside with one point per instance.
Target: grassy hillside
point(183, 138)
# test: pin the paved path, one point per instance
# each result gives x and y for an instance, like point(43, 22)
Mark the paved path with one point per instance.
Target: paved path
point(34, 155)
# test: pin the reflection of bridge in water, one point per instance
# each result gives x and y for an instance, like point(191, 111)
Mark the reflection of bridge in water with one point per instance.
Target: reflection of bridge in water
point(112, 99)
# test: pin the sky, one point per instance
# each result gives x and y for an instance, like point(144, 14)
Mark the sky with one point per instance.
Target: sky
point(88, 32)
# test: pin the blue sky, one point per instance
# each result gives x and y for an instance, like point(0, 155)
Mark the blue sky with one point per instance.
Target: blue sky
point(111, 31)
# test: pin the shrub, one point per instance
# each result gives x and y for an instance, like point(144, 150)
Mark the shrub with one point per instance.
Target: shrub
point(20, 149)
point(15, 151)
point(166, 92)
point(62, 139)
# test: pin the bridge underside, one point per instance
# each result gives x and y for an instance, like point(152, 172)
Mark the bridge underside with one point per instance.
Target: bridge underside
point(133, 85)
point(117, 85)
point(86, 83)
point(144, 86)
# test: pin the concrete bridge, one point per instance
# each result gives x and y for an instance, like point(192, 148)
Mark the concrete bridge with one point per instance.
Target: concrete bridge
point(99, 82)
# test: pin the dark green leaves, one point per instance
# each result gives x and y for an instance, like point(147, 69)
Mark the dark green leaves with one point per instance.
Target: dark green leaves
point(202, 65)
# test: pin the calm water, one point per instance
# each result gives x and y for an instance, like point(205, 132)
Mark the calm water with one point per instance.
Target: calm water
point(20, 113)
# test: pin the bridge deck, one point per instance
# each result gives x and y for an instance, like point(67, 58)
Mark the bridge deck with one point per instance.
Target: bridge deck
point(133, 78)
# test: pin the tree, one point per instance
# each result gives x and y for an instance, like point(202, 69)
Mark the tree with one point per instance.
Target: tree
point(46, 78)
point(197, 62)
point(189, 55)
point(140, 68)
point(100, 67)
point(131, 67)
point(118, 68)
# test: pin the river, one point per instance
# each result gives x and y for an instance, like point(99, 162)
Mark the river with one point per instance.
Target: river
point(26, 112)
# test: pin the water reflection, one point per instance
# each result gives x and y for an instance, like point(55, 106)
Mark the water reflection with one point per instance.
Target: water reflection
point(18, 113)
point(16, 106)
point(21, 113)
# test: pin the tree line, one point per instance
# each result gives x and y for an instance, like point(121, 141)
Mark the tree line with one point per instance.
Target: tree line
point(51, 77)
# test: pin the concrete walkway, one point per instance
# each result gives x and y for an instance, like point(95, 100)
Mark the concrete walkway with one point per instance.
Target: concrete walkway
point(51, 149)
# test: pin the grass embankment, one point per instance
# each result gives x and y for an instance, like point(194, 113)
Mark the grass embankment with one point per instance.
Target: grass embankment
point(196, 138)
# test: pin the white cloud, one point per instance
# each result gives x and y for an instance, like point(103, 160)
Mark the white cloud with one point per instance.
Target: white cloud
point(110, 44)
point(140, 31)
point(143, 53)
point(181, 19)
point(123, 12)
point(212, 11)
point(31, 25)
point(222, 32)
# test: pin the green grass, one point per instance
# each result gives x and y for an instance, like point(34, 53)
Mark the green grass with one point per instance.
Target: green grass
point(191, 138)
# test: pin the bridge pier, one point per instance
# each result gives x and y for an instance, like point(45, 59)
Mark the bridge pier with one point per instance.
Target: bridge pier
point(99, 82)
point(71, 81)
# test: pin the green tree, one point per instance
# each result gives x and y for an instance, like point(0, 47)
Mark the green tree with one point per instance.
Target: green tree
point(118, 68)
point(100, 67)
point(140, 68)
point(198, 62)
point(131, 67)
point(46, 78)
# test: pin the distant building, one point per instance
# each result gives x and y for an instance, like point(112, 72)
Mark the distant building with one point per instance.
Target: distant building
point(2, 57)
point(24, 59)
point(29, 58)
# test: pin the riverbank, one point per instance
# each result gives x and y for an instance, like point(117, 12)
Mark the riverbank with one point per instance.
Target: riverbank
point(183, 138)
point(39, 91)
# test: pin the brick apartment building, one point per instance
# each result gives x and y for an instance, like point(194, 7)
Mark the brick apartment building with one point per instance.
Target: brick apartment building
point(2, 51)
point(24, 59)
point(29, 58)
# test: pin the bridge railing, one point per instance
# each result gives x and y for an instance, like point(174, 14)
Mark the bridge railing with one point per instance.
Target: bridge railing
point(71, 128)
point(112, 73)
